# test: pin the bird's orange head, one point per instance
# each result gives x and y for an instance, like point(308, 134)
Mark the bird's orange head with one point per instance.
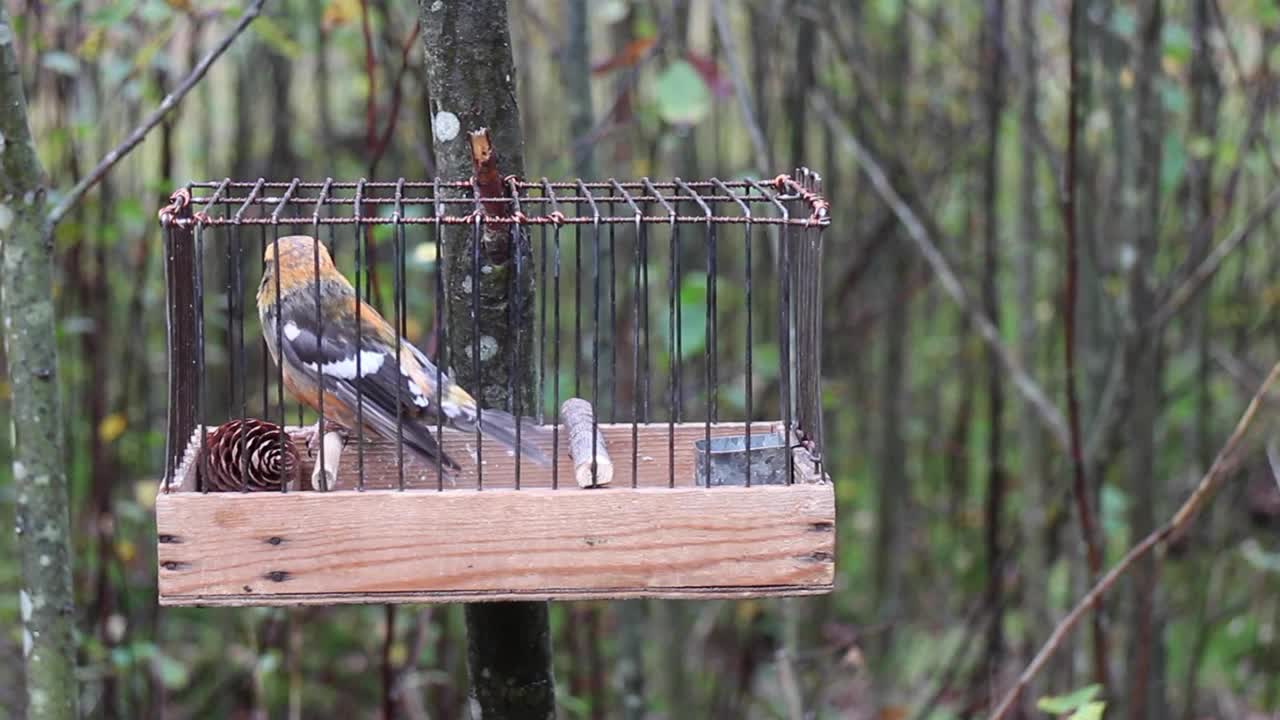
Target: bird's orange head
point(299, 260)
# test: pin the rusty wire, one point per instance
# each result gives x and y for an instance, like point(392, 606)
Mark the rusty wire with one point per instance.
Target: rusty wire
point(274, 197)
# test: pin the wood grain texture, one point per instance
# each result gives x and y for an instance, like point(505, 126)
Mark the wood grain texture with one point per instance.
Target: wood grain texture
point(652, 467)
point(587, 445)
point(424, 546)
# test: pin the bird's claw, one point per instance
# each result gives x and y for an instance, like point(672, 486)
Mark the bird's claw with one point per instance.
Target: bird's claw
point(315, 440)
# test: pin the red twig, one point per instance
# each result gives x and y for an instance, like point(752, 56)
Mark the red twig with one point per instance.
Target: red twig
point(1080, 486)
point(371, 106)
point(397, 94)
point(1175, 526)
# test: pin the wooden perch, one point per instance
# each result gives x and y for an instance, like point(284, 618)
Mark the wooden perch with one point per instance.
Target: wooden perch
point(329, 458)
point(578, 418)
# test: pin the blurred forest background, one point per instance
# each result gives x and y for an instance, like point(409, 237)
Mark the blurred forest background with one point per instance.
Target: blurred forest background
point(960, 545)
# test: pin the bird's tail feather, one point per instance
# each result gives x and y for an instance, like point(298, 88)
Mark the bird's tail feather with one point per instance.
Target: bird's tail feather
point(534, 442)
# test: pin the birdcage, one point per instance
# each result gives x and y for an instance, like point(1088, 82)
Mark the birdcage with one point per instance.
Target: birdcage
point(682, 319)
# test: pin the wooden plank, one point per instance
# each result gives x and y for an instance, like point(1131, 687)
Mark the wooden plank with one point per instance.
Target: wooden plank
point(444, 596)
point(422, 546)
point(652, 460)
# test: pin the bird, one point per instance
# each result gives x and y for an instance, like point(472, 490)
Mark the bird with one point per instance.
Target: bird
point(348, 349)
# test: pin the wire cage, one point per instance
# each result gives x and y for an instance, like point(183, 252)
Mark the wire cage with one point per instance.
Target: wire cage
point(683, 319)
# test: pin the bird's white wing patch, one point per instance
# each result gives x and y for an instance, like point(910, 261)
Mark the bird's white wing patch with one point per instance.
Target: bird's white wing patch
point(291, 331)
point(346, 369)
point(419, 398)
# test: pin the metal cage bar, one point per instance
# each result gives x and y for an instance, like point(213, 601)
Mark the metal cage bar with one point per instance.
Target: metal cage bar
point(720, 378)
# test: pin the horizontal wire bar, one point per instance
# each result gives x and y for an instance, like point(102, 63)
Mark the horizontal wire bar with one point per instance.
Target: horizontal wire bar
point(279, 195)
point(206, 221)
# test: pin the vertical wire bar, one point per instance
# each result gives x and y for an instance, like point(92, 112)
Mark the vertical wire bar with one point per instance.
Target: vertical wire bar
point(784, 340)
point(197, 271)
point(477, 236)
point(595, 331)
point(577, 301)
point(240, 346)
point(644, 319)
point(542, 321)
point(555, 336)
point(397, 301)
point(442, 333)
point(635, 346)
point(708, 345)
point(517, 318)
point(613, 319)
point(787, 387)
point(275, 231)
point(359, 262)
point(746, 212)
point(673, 314)
point(315, 263)
point(820, 452)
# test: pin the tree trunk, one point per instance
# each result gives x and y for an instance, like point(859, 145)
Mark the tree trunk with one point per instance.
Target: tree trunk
point(26, 303)
point(471, 82)
point(575, 73)
point(1146, 669)
point(993, 57)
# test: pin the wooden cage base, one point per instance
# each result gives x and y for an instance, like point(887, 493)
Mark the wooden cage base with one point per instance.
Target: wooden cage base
point(424, 545)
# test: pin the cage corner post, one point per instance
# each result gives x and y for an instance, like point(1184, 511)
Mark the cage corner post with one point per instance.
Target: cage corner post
point(471, 83)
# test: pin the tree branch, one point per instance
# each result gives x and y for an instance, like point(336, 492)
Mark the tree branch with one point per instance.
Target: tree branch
point(1046, 411)
point(155, 118)
point(758, 142)
point(1206, 269)
point(1175, 526)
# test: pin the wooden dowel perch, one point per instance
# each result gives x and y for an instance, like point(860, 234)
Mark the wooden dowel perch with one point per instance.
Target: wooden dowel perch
point(578, 418)
point(331, 452)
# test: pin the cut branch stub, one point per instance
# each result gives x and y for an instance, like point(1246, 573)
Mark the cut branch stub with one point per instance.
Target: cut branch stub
point(592, 466)
point(484, 164)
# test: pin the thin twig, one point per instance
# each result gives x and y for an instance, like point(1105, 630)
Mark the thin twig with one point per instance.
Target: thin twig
point(397, 94)
point(1046, 411)
point(1079, 481)
point(371, 106)
point(758, 142)
point(1175, 526)
point(976, 621)
point(1207, 267)
point(148, 123)
point(1273, 458)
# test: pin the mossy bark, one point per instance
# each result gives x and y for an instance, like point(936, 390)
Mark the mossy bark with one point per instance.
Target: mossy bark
point(26, 305)
point(471, 80)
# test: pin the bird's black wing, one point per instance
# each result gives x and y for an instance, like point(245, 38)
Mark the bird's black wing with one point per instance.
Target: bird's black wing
point(362, 376)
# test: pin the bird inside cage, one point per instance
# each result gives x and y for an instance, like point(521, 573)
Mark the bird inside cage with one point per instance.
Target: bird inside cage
point(346, 350)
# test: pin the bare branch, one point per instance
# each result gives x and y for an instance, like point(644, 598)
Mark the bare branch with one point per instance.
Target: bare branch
point(758, 142)
point(1206, 269)
point(148, 124)
point(1046, 411)
point(1176, 525)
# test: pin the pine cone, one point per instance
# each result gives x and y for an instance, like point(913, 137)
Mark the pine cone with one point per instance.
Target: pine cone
point(263, 464)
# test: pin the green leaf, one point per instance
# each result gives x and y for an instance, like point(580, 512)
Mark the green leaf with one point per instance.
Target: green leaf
point(61, 63)
point(1177, 43)
point(693, 316)
point(276, 38)
point(1259, 558)
point(1124, 21)
point(682, 96)
point(1090, 711)
point(1059, 704)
